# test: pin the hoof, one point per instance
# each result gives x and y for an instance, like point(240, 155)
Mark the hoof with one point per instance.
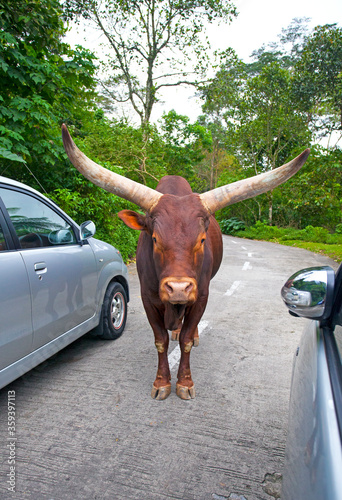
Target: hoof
point(184, 392)
point(161, 392)
point(175, 334)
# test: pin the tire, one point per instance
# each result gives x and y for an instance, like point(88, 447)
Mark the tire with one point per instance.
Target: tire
point(113, 314)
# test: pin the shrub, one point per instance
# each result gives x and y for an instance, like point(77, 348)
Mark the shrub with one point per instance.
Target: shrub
point(101, 208)
point(315, 234)
point(338, 229)
point(232, 225)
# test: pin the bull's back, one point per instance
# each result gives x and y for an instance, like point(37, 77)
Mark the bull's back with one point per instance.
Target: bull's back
point(174, 184)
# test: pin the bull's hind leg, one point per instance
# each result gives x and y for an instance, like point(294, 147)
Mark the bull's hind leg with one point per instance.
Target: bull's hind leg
point(196, 338)
point(175, 333)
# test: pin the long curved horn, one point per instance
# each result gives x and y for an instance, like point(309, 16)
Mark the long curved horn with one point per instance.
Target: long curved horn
point(248, 188)
point(141, 195)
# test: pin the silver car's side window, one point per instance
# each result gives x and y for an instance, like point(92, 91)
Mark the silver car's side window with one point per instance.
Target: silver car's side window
point(338, 337)
point(3, 245)
point(36, 224)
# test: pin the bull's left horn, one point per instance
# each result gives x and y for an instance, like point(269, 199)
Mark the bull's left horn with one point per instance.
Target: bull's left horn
point(248, 188)
point(143, 196)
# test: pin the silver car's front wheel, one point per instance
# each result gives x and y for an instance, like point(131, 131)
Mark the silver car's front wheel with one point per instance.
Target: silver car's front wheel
point(114, 312)
point(118, 310)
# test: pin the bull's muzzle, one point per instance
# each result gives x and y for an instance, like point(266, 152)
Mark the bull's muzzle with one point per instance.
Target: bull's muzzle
point(178, 290)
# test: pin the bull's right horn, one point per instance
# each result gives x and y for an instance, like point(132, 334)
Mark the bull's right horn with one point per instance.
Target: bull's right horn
point(141, 195)
point(252, 186)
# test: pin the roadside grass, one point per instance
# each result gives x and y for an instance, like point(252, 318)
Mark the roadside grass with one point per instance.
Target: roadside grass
point(332, 251)
point(316, 239)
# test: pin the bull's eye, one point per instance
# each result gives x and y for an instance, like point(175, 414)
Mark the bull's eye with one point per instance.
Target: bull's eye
point(154, 239)
point(202, 240)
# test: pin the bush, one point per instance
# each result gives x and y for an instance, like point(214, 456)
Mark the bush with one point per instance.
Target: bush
point(101, 208)
point(314, 234)
point(263, 231)
point(232, 225)
point(338, 229)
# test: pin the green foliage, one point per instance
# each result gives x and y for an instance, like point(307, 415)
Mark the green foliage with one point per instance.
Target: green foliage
point(314, 195)
point(317, 78)
point(42, 79)
point(101, 207)
point(262, 231)
point(232, 225)
point(272, 109)
point(185, 146)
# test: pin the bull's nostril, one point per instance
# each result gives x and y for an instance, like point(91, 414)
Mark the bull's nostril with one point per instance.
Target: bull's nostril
point(169, 288)
point(189, 288)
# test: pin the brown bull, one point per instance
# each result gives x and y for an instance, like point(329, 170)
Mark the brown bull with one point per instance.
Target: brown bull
point(179, 250)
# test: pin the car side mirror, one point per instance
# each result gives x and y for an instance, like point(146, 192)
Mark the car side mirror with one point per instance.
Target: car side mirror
point(309, 292)
point(61, 236)
point(87, 230)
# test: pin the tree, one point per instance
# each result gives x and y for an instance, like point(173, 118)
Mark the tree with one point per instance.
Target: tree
point(285, 52)
point(42, 82)
point(151, 43)
point(186, 146)
point(263, 123)
point(314, 195)
point(318, 81)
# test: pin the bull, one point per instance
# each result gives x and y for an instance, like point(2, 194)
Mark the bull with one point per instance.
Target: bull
point(179, 250)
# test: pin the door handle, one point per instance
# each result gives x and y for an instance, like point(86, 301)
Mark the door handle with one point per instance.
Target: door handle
point(40, 267)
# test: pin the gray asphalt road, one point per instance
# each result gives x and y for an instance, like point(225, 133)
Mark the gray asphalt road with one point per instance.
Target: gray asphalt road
point(87, 428)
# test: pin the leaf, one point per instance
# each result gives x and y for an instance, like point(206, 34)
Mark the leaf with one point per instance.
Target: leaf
point(5, 153)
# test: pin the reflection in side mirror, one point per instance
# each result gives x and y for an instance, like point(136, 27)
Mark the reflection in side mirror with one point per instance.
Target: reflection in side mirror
point(309, 293)
point(87, 230)
point(61, 236)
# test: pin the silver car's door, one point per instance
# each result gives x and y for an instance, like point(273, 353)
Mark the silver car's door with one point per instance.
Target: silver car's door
point(15, 304)
point(62, 273)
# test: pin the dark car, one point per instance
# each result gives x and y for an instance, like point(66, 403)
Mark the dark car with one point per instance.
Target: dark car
point(313, 462)
point(57, 281)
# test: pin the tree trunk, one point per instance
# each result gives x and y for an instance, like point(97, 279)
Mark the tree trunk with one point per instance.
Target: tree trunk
point(270, 208)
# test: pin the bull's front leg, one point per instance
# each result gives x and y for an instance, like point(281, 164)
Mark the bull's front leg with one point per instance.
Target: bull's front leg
point(161, 387)
point(185, 387)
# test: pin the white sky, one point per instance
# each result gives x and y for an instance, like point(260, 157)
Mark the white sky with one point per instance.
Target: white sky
point(259, 22)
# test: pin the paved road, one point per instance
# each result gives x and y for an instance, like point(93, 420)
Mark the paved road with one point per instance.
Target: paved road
point(88, 429)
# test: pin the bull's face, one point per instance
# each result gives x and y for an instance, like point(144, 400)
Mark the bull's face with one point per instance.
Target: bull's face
point(177, 228)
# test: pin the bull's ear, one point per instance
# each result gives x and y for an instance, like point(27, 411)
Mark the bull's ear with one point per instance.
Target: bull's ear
point(133, 219)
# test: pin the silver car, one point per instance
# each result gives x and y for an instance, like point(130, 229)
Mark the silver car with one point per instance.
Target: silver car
point(57, 281)
point(313, 463)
